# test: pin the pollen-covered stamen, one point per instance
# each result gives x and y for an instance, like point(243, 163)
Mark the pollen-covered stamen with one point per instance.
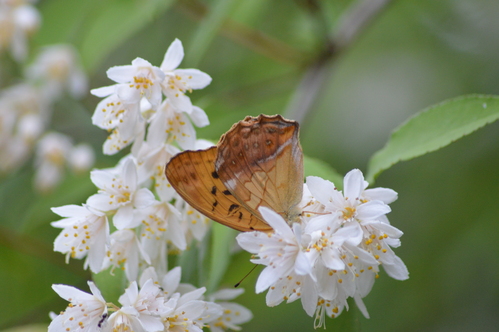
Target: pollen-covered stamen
point(118, 192)
point(321, 243)
point(179, 84)
point(141, 83)
point(154, 227)
point(348, 213)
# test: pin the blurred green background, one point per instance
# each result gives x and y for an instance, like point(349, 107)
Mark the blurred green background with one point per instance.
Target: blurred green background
point(414, 54)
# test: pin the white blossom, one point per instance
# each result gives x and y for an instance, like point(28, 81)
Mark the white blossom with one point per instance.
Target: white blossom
point(52, 153)
point(85, 234)
point(18, 21)
point(281, 252)
point(119, 192)
point(160, 225)
point(142, 308)
point(81, 158)
point(179, 81)
point(57, 68)
point(233, 314)
point(85, 313)
point(125, 252)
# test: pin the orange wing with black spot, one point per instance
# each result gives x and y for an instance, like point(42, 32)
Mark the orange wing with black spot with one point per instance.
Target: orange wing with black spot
point(193, 175)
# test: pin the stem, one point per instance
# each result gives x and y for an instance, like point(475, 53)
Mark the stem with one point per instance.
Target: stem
point(352, 23)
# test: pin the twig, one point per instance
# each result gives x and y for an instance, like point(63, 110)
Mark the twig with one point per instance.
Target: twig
point(350, 26)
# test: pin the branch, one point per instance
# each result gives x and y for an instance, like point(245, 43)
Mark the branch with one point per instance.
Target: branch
point(353, 22)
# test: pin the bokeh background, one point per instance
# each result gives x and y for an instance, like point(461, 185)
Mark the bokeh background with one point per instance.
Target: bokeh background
point(413, 54)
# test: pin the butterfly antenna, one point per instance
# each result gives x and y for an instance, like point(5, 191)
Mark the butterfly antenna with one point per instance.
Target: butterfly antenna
point(247, 274)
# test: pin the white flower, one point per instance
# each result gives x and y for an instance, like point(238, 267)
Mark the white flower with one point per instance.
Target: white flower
point(233, 315)
point(179, 81)
point(293, 287)
point(281, 251)
point(194, 223)
point(348, 205)
point(136, 81)
point(160, 226)
point(18, 20)
point(327, 238)
point(170, 125)
point(57, 68)
point(142, 308)
point(85, 234)
point(188, 312)
point(23, 117)
point(126, 252)
point(85, 313)
point(81, 158)
point(115, 142)
point(368, 208)
point(114, 113)
point(120, 192)
point(52, 151)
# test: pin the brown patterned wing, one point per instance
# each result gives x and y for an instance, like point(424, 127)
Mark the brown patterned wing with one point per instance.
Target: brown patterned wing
point(193, 175)
point(260, 161)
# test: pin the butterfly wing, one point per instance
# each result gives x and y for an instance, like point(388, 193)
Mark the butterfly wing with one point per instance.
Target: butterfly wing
point(261, 162)
point(193, 175)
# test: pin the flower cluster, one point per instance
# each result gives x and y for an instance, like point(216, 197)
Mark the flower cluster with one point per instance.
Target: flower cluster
point(159, 305)
point(135, 195)
point(26, 112)
point(18, 20)
point(334, 252)
point(148, 109)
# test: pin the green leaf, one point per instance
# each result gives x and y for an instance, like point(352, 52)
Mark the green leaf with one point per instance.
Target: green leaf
point(223, 239)
point(434, 128)
point(317, 167)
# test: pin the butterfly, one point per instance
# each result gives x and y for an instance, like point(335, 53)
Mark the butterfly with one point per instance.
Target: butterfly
point(258, 162)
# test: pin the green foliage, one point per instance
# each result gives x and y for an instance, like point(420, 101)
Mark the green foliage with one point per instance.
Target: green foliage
point(83, 23)
point(220, 254)
point(434, 128)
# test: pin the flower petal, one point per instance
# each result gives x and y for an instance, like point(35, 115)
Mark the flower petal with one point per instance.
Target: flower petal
point(267, 277)
point(173, 56)
point(353, 184)
point(124, 217)
point(194, 78)
point(372, 210)
point(321, 189)
point(143, 198)
point(104, 91)
point(397, 270)
point(385, 195)
point(199, 117)
point(276, 222)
